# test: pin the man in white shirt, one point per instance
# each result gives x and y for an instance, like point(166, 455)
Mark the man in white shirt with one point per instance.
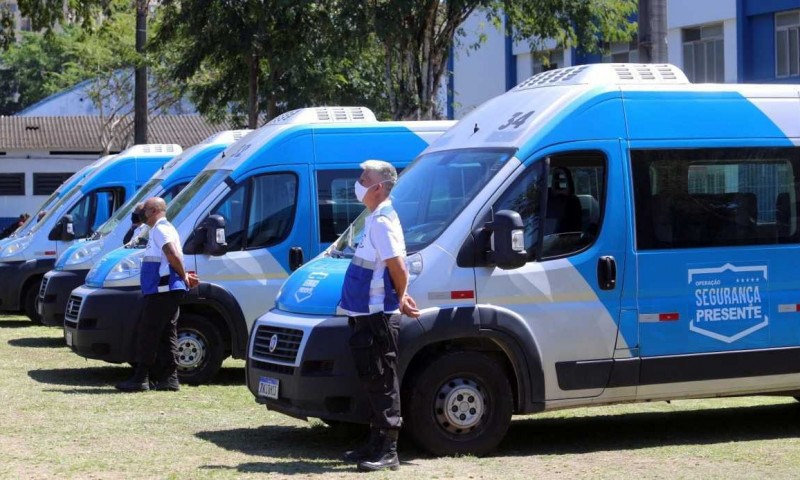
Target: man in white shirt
point(374, 295)
point(164, 282)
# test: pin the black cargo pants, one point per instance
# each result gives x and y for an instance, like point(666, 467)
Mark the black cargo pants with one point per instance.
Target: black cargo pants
point(157, 333)
point(373, 343)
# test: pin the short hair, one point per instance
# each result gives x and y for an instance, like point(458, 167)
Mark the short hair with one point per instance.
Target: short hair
point(139, 207)
point(385, 170)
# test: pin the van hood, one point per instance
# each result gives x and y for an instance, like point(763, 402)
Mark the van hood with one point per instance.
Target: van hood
point(100, 270)
point(315, 288)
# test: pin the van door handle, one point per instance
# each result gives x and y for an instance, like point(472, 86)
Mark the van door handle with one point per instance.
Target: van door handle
point(607, 273)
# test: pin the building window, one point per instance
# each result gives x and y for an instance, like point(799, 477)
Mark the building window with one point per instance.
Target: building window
point(47, 183)
point(787, 44)
point(703, 54)
point(12, 184)
point(622, 52)
point(549, 60)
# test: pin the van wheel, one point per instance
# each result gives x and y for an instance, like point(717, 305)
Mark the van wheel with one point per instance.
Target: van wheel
point(460, 403)
point(29, 302)
point(199, 349)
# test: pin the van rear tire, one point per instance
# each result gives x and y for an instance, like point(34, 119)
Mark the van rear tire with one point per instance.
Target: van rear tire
point(200, 349)
point(29, 302)
point(459, 403)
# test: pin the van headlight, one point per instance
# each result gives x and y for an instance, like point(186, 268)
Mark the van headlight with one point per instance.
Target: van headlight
point(414, 266)
point(15, 247)
point(128, 267)
point(85, 253)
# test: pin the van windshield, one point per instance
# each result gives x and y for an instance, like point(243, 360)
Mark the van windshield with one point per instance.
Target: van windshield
point(430, 194)
point(57, 208)
point(194, 193)
point(145, 192)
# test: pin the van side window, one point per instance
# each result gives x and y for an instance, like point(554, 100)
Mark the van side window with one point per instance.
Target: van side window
point(336, 202)
point(94, 209)
point(172, 192)
point(272, 204)
point(575, 195)
point(232, 209)
point(715, 197)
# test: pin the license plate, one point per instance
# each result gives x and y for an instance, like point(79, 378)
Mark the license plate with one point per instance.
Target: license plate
point(38, 307)
point(268, 387)
point(68, 337)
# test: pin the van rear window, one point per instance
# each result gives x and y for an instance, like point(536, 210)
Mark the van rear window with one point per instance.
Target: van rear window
point(715, 197)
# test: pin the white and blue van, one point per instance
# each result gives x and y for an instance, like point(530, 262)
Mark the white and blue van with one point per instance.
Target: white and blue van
point(599, 234)
point(76, 215)
point(72, 266)
point(279, 196)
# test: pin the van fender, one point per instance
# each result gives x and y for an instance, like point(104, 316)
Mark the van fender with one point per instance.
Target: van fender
point(504, 328)
point(223, 302)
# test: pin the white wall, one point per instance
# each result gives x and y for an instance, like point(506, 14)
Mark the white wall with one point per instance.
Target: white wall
point(692, 13)
point(684, 13)
point(30, 162)
point(478, 75)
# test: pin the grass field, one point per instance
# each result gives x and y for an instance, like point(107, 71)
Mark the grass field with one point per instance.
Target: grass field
point(61, 418)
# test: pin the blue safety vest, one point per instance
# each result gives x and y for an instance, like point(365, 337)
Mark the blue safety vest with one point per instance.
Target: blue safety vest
point(358, 278)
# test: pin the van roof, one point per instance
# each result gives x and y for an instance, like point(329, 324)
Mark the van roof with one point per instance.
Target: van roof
point(631, 101)
point(310, 120)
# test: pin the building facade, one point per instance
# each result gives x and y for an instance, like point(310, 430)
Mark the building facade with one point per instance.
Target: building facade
point(714, 41)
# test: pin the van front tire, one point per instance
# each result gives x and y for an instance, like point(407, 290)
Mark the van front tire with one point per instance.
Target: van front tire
point(29, 302)
point(460, 403)
point(200, 349)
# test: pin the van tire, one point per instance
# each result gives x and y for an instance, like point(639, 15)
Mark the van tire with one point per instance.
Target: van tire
point(29, 302)
point(487, 400)
point(200, 349)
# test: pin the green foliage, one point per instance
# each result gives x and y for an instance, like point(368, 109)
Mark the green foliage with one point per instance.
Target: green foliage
point(302, 52)
point(41, 64)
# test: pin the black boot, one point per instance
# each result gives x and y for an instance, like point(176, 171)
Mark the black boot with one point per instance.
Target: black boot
point(139, 382)
point(367, 450)
point(169, 383)
point(386, 457)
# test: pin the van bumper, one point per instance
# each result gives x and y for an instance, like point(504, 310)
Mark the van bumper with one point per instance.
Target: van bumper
point(13, 276)
point(52, 300)
point(105, 325)
point(321, 382)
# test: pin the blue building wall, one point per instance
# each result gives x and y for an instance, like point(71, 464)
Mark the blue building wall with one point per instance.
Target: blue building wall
point(756, 25)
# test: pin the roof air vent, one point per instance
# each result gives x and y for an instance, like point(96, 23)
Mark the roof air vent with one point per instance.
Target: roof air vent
point(607, 73)
point(325, 115)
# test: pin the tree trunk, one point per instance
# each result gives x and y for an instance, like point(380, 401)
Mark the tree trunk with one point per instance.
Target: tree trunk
point(140, 87)
point(252, 93)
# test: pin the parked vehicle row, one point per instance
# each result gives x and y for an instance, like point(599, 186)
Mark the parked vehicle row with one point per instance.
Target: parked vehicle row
point(598, 234)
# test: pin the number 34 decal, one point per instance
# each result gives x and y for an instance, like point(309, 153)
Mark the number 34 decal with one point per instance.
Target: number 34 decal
point(517, 120)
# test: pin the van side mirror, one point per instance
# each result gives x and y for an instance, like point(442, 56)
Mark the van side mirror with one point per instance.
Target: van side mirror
point(507, 241)
point(63, 230)
point(208, 237)
point(295, 258)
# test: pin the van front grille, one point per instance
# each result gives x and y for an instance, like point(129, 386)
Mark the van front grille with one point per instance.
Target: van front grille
point(285, 344)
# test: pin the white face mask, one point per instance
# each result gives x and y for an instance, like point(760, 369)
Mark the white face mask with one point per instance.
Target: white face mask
point(361, 190)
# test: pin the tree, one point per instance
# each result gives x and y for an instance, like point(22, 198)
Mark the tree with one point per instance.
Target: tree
point(103, 57)
point(417, 36)
point(247, 56)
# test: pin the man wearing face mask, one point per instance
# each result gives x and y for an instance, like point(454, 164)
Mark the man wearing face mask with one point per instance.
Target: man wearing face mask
point(137, 224)
point(374, 295)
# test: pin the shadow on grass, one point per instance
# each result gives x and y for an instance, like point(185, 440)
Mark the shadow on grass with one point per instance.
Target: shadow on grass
point(229, 376)
point(312, 450)
point(84, 391)
point(81, 377)
point(16, 323)
point(318, 449)
point(38, 342)
point(645, 430)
